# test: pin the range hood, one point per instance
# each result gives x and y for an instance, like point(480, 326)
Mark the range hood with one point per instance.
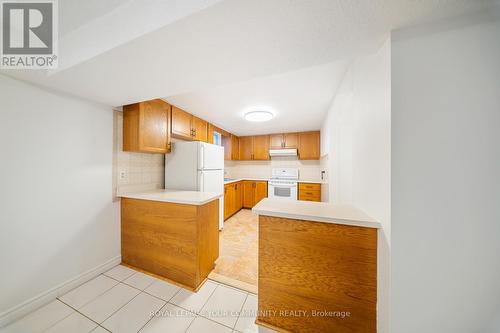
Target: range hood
point(283, 152)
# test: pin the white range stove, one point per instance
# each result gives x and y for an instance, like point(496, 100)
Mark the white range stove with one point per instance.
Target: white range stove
point(283, 183)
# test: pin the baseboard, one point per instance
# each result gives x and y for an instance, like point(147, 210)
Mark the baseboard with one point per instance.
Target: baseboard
point(45, 297)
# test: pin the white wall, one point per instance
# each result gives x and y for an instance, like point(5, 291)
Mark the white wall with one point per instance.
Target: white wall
point(446, 177)
point(57, 219)
point(359, 127)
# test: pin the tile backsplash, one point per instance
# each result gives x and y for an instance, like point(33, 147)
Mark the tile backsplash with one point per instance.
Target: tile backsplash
point(308, 170)
point(134, 171)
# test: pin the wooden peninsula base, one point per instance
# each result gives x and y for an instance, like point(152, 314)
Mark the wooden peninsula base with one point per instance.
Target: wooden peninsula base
point(179, 242)
point(316, 276)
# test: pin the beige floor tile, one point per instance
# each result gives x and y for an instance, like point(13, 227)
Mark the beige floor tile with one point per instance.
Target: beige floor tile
point(40, 319)
point(88, 291)
point(120, 272)
point(224, 305)
point(171, 319)
point(202, 325)
point(194, 301)
point(238, 257)
point(105, 305)
point(134, 315)
point(74, 323)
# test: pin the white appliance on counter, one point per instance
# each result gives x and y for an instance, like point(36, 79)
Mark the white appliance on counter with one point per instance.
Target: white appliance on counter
point(196, 166)
point(283, 183)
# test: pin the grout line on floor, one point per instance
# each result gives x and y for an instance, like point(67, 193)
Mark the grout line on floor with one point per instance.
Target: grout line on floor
point(76, 310)
point(241, 309)
point(119, 309)
point(56, 321)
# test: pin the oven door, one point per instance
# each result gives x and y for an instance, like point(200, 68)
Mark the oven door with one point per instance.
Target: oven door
point(282, 191)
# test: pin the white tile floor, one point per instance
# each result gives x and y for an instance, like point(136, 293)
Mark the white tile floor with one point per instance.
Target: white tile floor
point(122, 301)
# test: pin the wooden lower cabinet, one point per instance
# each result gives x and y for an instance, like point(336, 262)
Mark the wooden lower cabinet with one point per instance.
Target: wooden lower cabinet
point(323, 274)
point(309, 192)
point(178, 242)
point(253, 192)
point(233, 199)
point(243, 194)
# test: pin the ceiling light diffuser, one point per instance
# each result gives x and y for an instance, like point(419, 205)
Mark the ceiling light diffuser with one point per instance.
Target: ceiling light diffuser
point(259, 116)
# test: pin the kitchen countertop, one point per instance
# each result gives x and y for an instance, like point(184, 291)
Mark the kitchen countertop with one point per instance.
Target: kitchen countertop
point(315, 211)
point(234, 180)
point(174, 196)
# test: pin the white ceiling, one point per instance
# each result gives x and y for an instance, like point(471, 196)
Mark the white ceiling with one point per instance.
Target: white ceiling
point(298, 100)
point(120, 52)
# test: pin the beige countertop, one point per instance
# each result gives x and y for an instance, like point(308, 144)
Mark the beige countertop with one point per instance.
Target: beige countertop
point(315, 211)
point(234, 180)
point(174, 196)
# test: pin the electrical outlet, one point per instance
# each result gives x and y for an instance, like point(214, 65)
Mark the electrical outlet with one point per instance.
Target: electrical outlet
point(123, 174)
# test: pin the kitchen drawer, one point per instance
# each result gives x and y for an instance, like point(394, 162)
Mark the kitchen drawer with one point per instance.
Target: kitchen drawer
point(309, 192)
point(309, 186)
point(317, 199)
point(308, 197)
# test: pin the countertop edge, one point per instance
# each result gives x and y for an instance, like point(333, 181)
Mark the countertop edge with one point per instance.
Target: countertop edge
point(151, 197)
point(235, 180)
point(319, 219)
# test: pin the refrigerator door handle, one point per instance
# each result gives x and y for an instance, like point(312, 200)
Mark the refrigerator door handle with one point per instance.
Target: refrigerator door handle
point(201, 157)
point(200, 181)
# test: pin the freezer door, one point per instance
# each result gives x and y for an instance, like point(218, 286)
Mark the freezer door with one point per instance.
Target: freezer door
point(210, 157)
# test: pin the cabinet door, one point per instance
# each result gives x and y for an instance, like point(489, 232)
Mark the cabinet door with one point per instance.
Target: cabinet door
point(235, 147)
point(228, 200)
point(181, 124)
point(309, 145)
point(210, 133)
point(261, 147)
point(276, 141)
point(260, 191)
point(248, 194)
point(200, 128)
point(290, 140)
point(145, 127)
point(226, 143)
point(245, 148)
point(238, 198)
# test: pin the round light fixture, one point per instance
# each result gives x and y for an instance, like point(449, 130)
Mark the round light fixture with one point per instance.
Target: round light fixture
point(259, 116)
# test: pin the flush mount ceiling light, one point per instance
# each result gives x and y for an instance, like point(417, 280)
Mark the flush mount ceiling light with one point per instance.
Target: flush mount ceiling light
point(258, 116)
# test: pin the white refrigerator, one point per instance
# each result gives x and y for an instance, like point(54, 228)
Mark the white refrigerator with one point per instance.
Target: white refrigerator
point(196, 166)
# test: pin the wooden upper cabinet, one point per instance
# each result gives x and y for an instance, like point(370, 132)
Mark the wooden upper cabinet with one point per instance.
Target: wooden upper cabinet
point(226, 143)
point(235, 147)
point(276, 141)
point(309, 145)
point(291, 140)
point(200, 129)
point(245, 148)
point(285, 140)
point(181, 124)
point(260, 147)
point(146, 127)
point(210, 133)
